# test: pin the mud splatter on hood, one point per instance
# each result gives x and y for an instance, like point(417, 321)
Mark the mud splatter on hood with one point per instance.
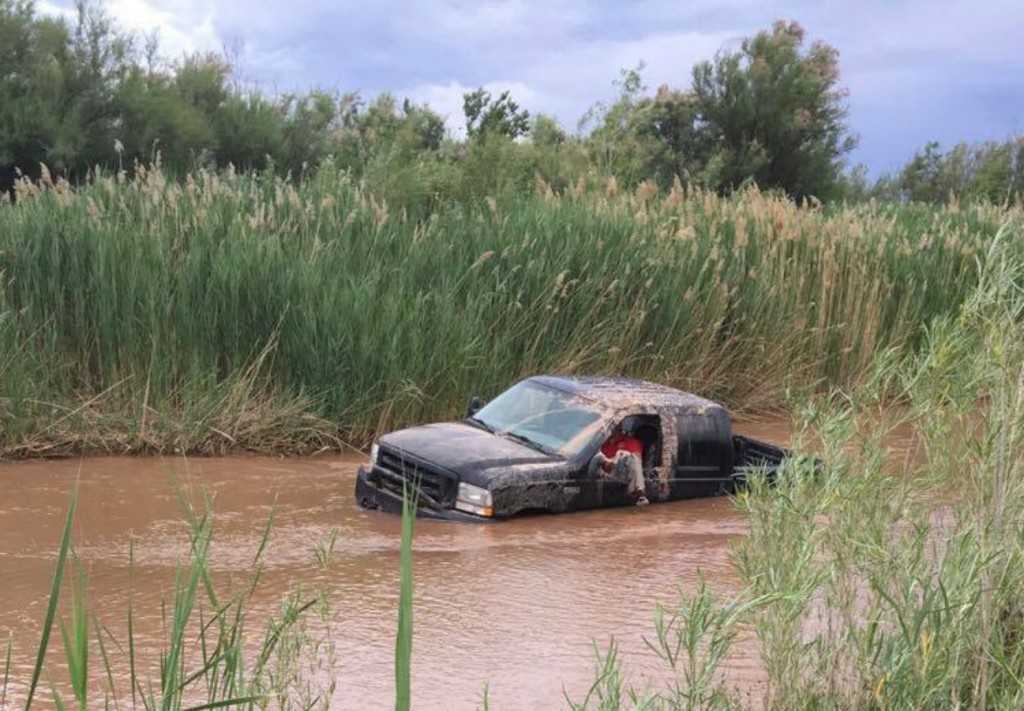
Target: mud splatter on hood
point(468, 451)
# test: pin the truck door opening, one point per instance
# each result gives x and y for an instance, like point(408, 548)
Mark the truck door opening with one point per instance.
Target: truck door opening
point(648, 431)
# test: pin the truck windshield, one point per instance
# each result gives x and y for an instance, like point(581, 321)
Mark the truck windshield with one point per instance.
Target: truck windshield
point(545, 418)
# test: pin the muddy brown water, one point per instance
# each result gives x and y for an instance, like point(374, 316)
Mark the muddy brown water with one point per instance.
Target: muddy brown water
point(516, 606)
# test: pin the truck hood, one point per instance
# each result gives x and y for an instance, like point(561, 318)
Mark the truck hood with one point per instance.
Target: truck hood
point(472, 453)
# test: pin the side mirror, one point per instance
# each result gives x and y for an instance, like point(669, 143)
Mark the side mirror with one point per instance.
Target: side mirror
point(474, 406)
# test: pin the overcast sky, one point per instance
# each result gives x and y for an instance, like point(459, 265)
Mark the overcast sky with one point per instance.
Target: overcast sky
point(917, 70)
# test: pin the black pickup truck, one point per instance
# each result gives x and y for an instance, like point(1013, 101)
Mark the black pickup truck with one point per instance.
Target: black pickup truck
point(533, 449)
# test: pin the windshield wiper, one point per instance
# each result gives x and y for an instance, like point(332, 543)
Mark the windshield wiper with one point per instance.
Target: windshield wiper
point(481, 424)
point(477, 422)
point(526, 440)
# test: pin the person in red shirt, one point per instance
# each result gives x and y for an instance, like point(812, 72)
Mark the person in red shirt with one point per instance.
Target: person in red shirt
point(623, 449)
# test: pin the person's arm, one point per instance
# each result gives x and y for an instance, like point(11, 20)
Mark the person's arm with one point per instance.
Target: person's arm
point(606, 462)
point(598, 464)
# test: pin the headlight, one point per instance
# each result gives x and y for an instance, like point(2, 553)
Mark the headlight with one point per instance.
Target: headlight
point(374, 451)
point(474, 494)
point(474, 500)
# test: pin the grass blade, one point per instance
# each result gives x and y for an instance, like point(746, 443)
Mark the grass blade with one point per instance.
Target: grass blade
point(133, 677)
point(403, 641)
point(105, 658)
point(51, 608)
point(7, 672)
point(225, 703)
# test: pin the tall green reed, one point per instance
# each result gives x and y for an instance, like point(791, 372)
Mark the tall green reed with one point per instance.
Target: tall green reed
point(51, 607)
point(403, 639)
point(241, 311)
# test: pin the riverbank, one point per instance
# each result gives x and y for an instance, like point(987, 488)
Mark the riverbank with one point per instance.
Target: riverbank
point(242, 313)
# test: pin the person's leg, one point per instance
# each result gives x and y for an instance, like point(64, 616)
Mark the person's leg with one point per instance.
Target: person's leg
point(637, 484)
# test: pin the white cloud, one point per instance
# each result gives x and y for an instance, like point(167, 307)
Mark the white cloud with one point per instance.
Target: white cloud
point(181, 27)
point(48, 8)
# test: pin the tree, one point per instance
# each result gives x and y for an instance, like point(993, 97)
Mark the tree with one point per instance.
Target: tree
point(990, 171)
point(546, 132)
point(855, 185)
point(486, 116)
point(998, 172)
point(927, 178)
point(174, 111)
point(153, 119)
point(646, 138)
point(249, 130)
point(56, 88)
point(309, 121)
point(30, 87)
point(381, 131)
point(424, 127)
point(96, 59)
point(773, 112)
point(615, 146)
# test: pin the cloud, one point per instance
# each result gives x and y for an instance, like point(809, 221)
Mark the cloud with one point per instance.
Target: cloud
point(181, 27)
point(479, 21)
point(919, 71)
point(53, 10)
point(577, 77)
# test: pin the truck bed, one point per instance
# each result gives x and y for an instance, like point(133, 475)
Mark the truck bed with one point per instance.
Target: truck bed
point(754, 455)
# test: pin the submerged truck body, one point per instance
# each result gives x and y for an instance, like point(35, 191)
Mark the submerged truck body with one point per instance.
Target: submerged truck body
point(533, 449)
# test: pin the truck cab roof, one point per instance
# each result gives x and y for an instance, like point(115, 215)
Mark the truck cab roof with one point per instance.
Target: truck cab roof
point(623, 393)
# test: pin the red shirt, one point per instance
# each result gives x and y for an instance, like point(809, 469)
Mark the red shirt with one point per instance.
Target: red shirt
point(618, 442)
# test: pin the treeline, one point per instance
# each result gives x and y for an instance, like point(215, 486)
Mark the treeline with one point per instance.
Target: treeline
point(84, 94)
point(991, 171)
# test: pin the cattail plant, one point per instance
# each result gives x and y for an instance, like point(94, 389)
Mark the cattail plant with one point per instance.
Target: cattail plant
point(233, 310)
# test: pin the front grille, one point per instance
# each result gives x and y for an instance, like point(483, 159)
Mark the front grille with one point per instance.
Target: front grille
point(394, 470)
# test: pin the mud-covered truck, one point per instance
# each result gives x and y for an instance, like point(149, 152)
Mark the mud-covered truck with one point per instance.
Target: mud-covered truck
point(536, 448)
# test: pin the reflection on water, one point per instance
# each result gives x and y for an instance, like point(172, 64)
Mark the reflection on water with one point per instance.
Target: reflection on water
point(515, 605)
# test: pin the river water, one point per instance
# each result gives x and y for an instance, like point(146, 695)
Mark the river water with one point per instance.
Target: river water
point(516, 606)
